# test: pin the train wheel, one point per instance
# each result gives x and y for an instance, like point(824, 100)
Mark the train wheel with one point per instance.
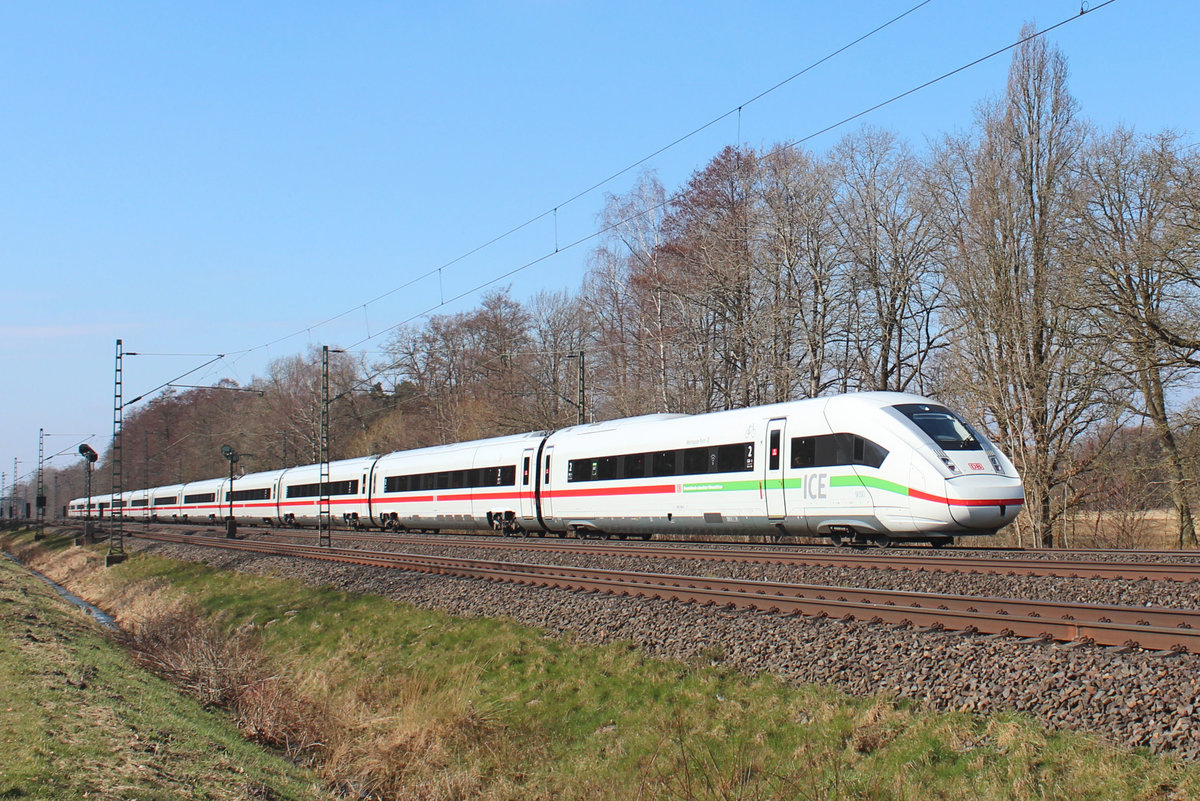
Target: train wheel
point(940, 542)
point(837, 540)
point(882, 541)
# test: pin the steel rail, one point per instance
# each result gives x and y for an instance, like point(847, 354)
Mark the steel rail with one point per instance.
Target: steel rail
point(873, 560)
point(1153, 628)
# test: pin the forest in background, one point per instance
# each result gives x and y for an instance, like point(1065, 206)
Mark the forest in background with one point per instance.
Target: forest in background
point(1036, 273)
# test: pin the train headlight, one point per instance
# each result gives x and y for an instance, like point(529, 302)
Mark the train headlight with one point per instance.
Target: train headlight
point(995, 463)
point(950, 465)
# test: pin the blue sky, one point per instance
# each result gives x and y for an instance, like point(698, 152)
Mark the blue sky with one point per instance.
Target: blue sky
point(202, 178)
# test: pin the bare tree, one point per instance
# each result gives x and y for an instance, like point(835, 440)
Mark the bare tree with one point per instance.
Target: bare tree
point(1021, 354)
point(890, 241)
point(800, 256)
point(710, 270)
point(629, 307)
point(1132, 239)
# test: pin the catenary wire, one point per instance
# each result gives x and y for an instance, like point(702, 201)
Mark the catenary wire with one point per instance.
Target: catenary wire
point(671, 198)
point(613, 226)
point(554, 210)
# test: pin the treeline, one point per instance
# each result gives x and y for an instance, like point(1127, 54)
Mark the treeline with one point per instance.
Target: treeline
point(1034, 272)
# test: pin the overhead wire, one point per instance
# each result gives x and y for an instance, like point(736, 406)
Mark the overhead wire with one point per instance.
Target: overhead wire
point(444, 301)
point(553, 211)
point(671, 198)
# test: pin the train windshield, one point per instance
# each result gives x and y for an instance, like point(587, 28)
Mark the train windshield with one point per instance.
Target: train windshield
point(942, 425)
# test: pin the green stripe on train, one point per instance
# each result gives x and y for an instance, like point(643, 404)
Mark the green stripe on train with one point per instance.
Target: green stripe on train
point(868, 481)
point(797, 483)
point(722, 486)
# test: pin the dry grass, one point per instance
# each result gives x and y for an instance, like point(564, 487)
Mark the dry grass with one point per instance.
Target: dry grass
point(222, 668)
point(1152, 529)
point(1130, 529)
point(81, 721)
point(408, 737)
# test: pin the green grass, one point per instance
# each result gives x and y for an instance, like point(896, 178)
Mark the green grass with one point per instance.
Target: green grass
point(79, 720)
point(445, 707)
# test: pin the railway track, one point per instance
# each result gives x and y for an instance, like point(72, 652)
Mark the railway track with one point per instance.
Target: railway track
point(1152, 628)
point(1184, 570)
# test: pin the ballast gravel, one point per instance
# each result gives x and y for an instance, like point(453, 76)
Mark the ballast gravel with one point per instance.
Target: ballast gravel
point(1131, 697)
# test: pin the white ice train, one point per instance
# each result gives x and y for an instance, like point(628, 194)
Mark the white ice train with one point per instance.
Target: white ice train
point(869, 467)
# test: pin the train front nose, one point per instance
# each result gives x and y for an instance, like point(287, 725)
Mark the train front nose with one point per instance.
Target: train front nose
point(984, 502)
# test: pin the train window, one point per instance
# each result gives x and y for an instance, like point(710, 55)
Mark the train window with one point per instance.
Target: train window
point(504, 476)
point(941, 425)
point(525, 471)
point(164, 501)
point(605, 468)
point(263, 494)
point(546, 481)
point(804, 451)
point(138, 502)
point(314, 490)
point(695, 461)
point(831, 450)
point(774, 455)
point(203, 497)
point(872, 454)
point(635, 466)
point(735, 458)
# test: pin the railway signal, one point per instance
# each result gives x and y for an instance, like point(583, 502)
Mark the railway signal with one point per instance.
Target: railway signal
point(230, 523)
point(90, 456)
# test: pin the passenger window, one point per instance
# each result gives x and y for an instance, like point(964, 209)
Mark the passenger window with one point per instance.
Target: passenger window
point(833, 450)
point(804, 451)
point(695, 461)
point(635, 466)
point(662, 463)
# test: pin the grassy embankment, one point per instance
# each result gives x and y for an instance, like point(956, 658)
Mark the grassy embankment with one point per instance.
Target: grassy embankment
point(417, 704)
point(78, 719)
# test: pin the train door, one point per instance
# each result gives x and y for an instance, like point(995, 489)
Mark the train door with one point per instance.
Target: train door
point(372, 495)
point(547, 493)
point(528, 466)
point(773, 470)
